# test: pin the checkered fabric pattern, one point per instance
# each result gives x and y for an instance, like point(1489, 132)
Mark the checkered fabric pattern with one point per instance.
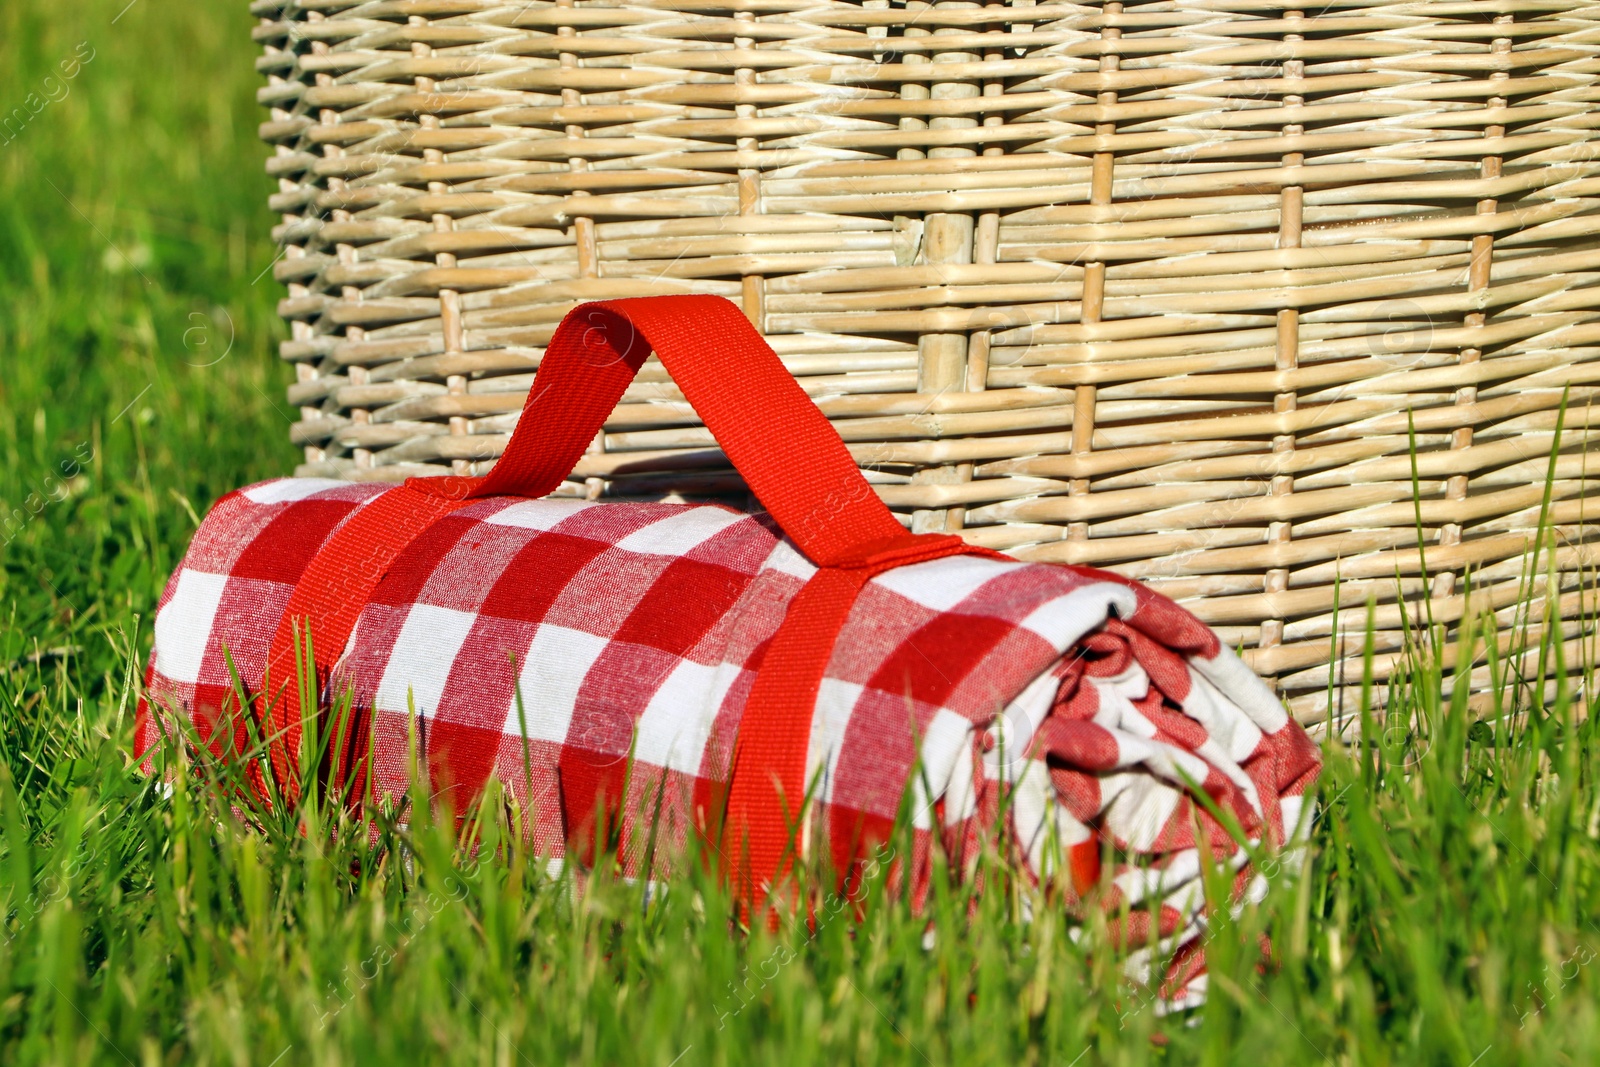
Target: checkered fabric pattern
point(596, 658)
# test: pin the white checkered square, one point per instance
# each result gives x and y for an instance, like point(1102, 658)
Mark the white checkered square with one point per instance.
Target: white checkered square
point(183, 626)
point(551, 675)
point(680, 533)
point(419, 666)
point(666, 736)
point(537, 514)
point(287, 490)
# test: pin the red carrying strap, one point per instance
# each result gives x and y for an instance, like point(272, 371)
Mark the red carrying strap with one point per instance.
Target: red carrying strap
point(790, 456)
point(325, 604)
point(788, 453)
point(767, 790)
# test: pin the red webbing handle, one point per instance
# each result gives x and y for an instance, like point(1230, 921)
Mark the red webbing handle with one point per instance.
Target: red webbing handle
point(796, 464)
point(789, 455)
point(327, 601)
point(787, 451)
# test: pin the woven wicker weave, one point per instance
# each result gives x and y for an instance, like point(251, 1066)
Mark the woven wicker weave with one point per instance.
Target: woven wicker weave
point(1151, 286)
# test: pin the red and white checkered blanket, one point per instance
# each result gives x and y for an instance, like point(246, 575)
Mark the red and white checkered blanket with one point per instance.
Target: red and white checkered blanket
point(572, 650)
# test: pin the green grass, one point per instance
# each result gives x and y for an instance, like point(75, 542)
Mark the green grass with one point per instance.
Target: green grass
point(1447, 915)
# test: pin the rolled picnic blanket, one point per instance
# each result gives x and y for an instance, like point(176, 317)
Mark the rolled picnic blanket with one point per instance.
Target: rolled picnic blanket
point(693, 669)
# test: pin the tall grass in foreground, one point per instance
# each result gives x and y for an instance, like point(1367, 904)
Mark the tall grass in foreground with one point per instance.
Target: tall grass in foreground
point(1446, 915)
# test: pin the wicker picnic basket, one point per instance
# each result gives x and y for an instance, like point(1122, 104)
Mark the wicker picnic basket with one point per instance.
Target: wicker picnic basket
point(1175, 288)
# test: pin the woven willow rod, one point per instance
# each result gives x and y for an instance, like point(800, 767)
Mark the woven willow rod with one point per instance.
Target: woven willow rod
point(1249, 302)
